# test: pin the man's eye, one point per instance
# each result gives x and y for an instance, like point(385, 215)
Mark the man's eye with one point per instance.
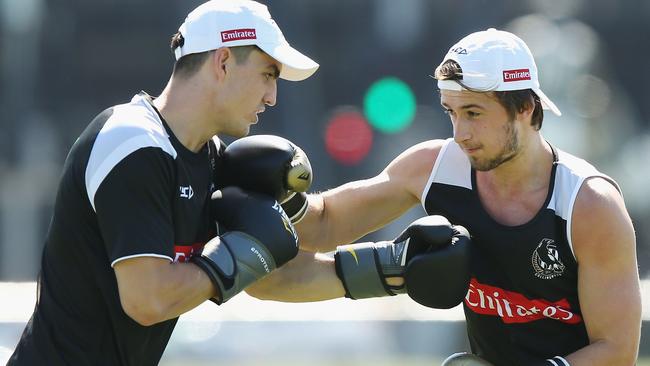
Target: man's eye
point(472, 114)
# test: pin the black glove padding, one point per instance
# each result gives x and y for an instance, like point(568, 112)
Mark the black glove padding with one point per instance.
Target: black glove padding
point(259, 238)
point(259, 216)
point(426, 234)
point(465, 359)
point(364, 267)
point(439, 278)
point(271, 165)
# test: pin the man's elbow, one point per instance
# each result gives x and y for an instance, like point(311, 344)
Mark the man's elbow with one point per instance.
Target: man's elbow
point(628, 355)
point(625, 358)
point(623, 353)
point(143, 312)
point(263, 289)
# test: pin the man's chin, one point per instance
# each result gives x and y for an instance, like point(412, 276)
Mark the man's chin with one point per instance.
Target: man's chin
point(482, 165)
point(244, 132)
point(236, 133)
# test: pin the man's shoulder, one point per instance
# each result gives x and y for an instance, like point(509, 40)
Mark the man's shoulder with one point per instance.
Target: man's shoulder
point(575, 164)
point(121, 123)
point(599, 213)
point(432, 146)
point(136, 119)
point(448, 164)
point(598, 195)
point(414, 166)
point(423, 153)
point(417, 159)
point(131, 128)
point(575, 176)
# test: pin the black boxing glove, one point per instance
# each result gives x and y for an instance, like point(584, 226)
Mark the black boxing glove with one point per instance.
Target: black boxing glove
point(440, 277)
point(259, 238)
point(364, 267)
point(271, 165)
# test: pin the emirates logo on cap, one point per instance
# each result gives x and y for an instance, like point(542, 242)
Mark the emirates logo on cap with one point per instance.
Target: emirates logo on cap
point(238, 34)
point(516, 75)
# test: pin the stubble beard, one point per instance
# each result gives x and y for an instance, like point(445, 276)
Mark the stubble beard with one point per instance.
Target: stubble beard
point(509, 151)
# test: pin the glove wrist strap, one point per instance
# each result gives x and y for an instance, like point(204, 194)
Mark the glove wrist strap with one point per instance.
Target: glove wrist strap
point(359, 268)
point(295, 206)
point(234, 261)
point(556, 361)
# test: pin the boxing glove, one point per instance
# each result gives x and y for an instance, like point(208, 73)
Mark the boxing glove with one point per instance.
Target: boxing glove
point(464, 359)
point(364, 267)
point(271, 165)
point(440, 278)
point(258, 238)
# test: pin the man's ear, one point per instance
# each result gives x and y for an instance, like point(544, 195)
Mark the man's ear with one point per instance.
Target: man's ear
point(221, 61)
point(526, 110)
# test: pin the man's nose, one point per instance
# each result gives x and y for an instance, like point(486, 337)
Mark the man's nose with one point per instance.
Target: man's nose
point(461, 131)
point(271, 96)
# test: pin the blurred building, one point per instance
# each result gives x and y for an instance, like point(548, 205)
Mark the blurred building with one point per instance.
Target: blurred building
point(63, 61)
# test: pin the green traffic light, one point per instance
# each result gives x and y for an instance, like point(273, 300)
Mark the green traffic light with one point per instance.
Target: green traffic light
point(389, 105)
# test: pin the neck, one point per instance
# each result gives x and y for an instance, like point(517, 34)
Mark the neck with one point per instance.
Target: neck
point(182, 104)
point(527, 172)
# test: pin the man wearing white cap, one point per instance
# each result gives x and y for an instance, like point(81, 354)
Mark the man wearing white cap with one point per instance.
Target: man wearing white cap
point(552, 273)
point(132, 242)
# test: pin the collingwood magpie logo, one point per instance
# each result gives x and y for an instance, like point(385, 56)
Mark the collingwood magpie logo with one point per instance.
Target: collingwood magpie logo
point(546, 260)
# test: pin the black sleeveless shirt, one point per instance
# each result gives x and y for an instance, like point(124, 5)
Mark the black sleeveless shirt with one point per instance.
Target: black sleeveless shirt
point(522, 305)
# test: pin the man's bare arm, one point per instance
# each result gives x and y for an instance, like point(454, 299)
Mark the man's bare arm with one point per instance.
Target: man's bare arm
point(153, 290)
point(342, 215)
point(346, 213)
point(308, 277)
point(608, 279)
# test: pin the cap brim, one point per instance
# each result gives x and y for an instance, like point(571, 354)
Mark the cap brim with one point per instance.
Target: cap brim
point(449, 85)
point(547, 103)
point(295, 65)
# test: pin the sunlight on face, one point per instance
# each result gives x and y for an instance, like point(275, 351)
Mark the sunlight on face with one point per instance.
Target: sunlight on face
point(249, 88)
point(482, 128)
point(509, 150)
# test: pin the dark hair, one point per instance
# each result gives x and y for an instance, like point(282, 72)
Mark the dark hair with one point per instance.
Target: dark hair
point(517, 100)
point(514, 101)
point(189, 64)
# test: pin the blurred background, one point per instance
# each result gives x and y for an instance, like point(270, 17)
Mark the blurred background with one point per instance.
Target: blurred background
point(64, 61)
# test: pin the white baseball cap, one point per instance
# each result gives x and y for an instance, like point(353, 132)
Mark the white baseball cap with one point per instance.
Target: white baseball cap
point(494, 60)
point(229, 23)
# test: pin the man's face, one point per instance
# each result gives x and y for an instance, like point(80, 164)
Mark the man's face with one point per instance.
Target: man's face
point(482, 128)
point(250, 86)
